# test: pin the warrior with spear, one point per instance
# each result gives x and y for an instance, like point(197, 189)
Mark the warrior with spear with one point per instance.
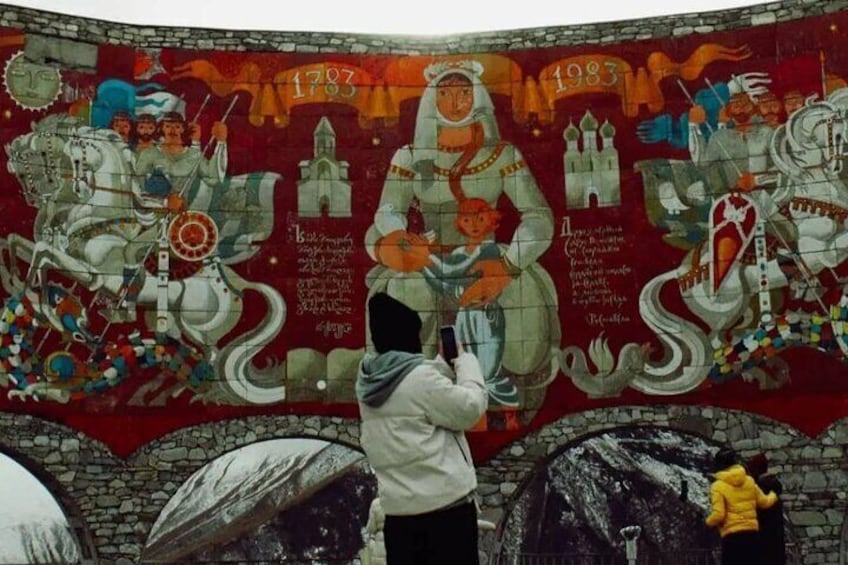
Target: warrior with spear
point(731, 234)
point(165, 176)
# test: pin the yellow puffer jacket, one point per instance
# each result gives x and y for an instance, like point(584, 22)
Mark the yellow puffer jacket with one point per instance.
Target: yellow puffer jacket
point(735, 498)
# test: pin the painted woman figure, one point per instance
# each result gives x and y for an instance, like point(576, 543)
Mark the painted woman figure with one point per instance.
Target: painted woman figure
point(457, 149)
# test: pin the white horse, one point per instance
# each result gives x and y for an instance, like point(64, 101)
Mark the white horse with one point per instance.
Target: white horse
point(203, 307)
point(38, 160)
point(101, 178)
point(806, 214)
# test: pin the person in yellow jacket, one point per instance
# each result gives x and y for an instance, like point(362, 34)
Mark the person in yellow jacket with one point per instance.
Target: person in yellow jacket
point(735, 498)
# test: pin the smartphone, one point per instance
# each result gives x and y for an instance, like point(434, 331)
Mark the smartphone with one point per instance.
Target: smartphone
point(449, 350)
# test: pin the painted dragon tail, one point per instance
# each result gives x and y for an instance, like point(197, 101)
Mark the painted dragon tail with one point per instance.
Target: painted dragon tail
point(685, 363)
point(233, 366)
point(687, 358)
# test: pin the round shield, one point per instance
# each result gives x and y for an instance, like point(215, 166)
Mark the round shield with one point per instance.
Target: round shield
point(193, 236)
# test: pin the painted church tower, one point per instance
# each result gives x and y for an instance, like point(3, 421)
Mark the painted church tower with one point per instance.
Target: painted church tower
point(592, 174)
point(324, 188)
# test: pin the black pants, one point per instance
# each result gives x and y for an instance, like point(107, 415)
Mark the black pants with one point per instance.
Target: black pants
point(441, 537)
point(741, 548)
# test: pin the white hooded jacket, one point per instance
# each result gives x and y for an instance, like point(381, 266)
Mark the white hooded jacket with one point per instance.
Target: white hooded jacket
point(414, 440)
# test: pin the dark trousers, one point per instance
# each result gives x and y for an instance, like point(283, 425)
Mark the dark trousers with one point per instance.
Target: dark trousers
point(741, 548)
point(441, 537)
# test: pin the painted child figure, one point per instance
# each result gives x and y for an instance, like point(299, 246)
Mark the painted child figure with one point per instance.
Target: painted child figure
point(481, 327)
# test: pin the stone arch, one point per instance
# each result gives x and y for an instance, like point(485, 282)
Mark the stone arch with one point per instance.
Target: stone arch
point(611, 430)
point(108, 487)
point(80, 531)
point(502, 477)
point(700, 538)
point(195, 486)
point(168, 462)
point(202, 443)
point(51, 453)
point(737, 428)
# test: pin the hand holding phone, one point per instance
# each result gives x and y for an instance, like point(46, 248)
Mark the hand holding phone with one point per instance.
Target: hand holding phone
point(449, 345)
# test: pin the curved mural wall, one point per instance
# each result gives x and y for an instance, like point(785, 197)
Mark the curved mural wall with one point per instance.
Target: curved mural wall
point(192, 234)
point(197, 232)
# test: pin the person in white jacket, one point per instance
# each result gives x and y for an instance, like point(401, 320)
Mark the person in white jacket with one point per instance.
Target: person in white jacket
point(414, 413)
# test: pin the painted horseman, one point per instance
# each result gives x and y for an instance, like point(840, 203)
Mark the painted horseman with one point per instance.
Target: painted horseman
point(736, 159)
point(106, 212)
point(38, 161)
point(170, 178)
point(752, 227)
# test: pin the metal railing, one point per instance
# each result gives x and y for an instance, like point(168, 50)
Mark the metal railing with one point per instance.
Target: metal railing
point(554, 559)
point(681, 557)
point(631, 555)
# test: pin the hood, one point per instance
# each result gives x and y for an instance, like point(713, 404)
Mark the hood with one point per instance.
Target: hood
point(380, 374)
point(769, 483)
point(734, 476)
point(394, 325)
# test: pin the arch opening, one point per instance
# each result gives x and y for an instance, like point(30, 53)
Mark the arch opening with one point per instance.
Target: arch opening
point(294, 499)
point(39, 521)
point(577, 500)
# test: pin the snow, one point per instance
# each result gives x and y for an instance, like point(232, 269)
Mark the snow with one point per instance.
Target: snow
point(581, 498)
point(249, 484)
point(33, 528)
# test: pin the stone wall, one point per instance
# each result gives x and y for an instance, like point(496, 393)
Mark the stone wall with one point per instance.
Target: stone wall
point(97, 31)
point(814, 471)
point(120, 500)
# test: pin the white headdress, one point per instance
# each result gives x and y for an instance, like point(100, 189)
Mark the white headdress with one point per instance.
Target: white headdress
point(440, 69)
point(429, 119)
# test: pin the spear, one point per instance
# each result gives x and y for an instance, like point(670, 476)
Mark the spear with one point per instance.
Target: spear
point(190, 177)
point(823, 75)
point(49, 328)
point(200, 110)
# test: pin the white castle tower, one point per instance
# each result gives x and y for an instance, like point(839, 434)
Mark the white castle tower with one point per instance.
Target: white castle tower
point(592, 171)
point(324, 187)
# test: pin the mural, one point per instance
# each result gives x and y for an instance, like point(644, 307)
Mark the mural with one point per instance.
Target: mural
point(195, 233)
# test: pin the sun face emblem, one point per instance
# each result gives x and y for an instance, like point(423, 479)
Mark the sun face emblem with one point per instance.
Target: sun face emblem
point(31, 86)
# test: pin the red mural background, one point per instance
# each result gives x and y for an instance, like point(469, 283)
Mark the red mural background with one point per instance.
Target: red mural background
point(279, 99)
